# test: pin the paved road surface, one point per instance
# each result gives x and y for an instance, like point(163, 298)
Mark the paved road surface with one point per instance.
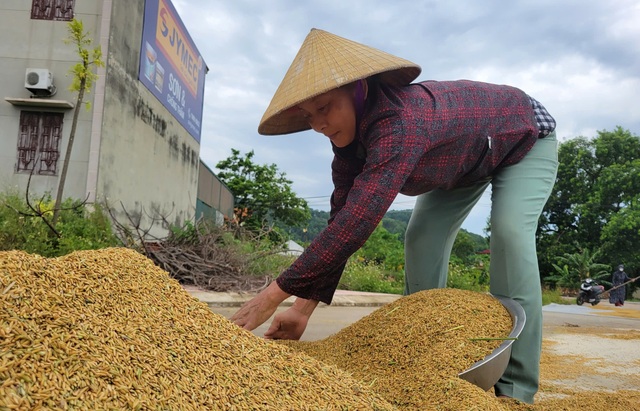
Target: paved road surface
point(327, 320)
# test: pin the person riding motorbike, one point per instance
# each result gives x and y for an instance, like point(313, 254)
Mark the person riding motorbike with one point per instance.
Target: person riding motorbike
point(590, 292)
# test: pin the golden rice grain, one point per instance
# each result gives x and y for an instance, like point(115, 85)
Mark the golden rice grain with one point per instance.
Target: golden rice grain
point(107, 329)
point(98, 330)
point(412, 350)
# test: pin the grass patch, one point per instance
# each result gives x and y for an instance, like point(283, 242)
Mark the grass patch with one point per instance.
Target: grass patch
point(370, 277)
point(555, 297)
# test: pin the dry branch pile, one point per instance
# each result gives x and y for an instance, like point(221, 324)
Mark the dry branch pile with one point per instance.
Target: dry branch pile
point(196, 254)
point(203, 259)
point(205, 264)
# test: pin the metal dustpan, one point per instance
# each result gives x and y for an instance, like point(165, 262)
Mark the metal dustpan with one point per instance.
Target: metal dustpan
point(486, 372)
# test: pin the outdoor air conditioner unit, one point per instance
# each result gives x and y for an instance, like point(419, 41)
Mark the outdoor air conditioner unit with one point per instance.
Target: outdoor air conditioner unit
point(39, 82)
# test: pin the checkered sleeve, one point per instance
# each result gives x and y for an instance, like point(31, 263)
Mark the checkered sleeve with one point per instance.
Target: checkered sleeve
point(546, 123)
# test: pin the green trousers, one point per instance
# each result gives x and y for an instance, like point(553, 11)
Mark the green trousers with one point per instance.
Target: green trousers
point(518, 195)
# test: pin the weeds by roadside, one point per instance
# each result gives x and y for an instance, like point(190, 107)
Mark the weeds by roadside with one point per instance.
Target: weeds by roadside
point(80, 227)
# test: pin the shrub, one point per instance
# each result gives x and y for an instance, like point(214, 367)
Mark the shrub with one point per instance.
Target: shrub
point(363, 275)
point(555, 296)
point(465, 277)
point(370, 277)
point(80, 227)
point(18, 231)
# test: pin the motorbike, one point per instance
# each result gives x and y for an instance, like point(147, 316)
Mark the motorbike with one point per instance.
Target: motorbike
point(590, 292)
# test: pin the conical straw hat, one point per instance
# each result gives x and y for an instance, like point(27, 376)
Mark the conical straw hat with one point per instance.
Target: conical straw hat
point(325, 62)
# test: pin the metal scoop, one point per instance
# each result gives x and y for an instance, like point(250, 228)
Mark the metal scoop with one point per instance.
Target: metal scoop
point(486, 372)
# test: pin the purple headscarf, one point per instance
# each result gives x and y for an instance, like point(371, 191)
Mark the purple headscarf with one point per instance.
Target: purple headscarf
point(359, 100)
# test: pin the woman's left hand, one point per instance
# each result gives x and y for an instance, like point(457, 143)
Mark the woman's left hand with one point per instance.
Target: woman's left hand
point(259, 309)
point(288, 325)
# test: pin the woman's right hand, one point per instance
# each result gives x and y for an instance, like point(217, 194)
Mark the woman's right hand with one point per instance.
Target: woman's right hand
point(258, 310)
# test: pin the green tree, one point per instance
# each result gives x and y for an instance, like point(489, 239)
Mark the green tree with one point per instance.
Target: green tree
point(464, 247)
point(396, 221)
point(395, 226)
point(304, 233)
point(384, 249)
point(262, 193)
point(621, 238)
point(594, 203)
point(571, 269)
point(83, 78)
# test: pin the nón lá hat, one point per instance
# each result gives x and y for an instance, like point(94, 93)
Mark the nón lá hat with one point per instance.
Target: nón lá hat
point(325, 62)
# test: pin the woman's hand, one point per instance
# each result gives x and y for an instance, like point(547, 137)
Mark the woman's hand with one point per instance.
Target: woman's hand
point(290, 324)
point(259, 309)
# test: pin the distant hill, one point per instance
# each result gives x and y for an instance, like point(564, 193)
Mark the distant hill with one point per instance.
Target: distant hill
point(394, 221)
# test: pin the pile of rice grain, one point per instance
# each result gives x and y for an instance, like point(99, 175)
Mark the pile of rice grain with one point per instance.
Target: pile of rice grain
point(108, 329)
point(412, 350)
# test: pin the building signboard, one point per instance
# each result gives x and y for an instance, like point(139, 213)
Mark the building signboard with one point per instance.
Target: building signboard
point(171, 66)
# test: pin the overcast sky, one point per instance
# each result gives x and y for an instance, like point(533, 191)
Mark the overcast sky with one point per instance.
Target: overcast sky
point(579, 58)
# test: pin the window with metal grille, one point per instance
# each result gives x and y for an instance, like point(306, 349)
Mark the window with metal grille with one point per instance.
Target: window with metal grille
point(39, 142)
point(61, 10)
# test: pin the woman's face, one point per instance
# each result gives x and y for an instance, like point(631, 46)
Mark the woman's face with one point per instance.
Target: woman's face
point(333, 114)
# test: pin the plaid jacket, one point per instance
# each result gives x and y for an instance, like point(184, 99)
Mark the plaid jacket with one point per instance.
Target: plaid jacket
point(411, 140)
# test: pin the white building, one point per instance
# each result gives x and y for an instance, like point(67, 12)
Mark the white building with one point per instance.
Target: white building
point(138, 146)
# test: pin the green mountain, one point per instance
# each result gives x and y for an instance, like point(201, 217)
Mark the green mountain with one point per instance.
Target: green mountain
point(394, 221)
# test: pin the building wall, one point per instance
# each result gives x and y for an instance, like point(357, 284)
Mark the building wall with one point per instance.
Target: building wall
point(149, 163)
point(215, 200)
point(129, 151)
point(28, 43)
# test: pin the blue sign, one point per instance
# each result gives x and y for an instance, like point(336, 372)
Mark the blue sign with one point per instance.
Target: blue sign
point(171, 66)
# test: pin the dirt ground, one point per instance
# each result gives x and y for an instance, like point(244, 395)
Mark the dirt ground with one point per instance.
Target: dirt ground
point(590, 358)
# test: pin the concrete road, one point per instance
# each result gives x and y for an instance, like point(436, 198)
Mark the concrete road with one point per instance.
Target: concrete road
point(328, 320)
point(603, 315)
point(325, 321)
